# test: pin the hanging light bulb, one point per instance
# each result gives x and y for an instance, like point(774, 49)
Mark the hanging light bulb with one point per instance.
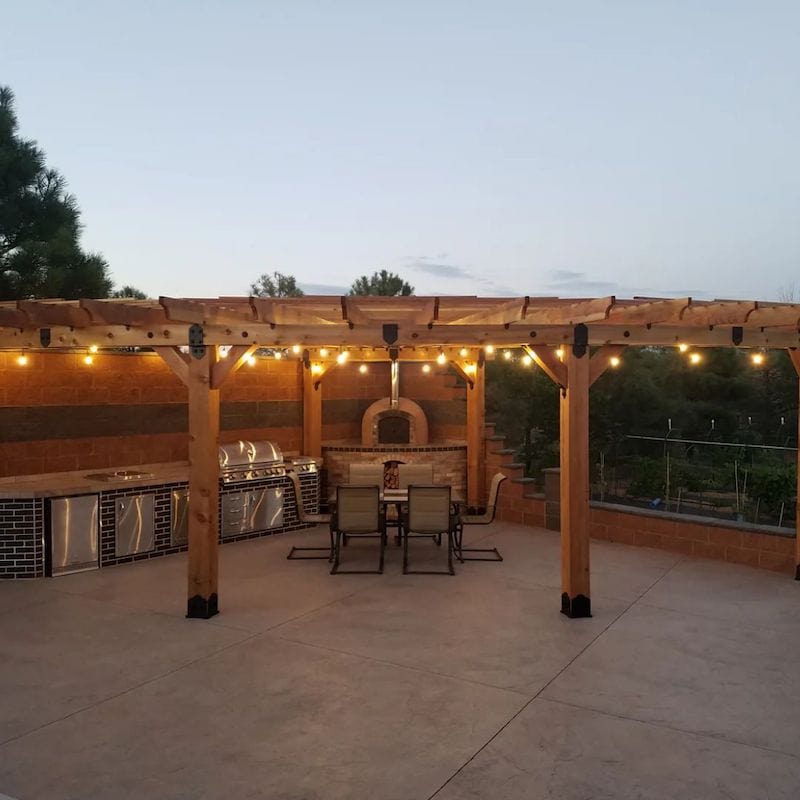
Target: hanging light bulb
point(441, 358)
point(471, 368)
point(489, 349)
point(323, 352)
point(341, 358)
point(363, 368)
point(94, 348)
point(88, 360)
point(251, 360)
point(507, 355)
point(278, 355)
point(527, 360)
point(757, 359)
point(316, 369)
point(426, 368)
point(22, 359)
point(683, 347)
point(614, 361)
point(463, 352)
point(695, 358)
point(560, 353)
point(296, 349)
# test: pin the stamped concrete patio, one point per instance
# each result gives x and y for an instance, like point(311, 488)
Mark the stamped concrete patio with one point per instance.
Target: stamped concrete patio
point(684, 684)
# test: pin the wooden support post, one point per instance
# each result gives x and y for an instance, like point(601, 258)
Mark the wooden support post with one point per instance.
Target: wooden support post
point(476, 393)
point(795, 356)
point(203, 486)
point(312, 412)
point(574, 433)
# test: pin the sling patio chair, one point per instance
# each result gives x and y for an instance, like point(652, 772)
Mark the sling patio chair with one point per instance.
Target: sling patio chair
point(418, 474)
point(428, 514)
point(310, 519)
point(363, 474)
point(486, 518)
point(358, 516)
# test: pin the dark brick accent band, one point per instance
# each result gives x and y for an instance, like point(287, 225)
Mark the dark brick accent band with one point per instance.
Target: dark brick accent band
point(28, 424)
point(344, 410)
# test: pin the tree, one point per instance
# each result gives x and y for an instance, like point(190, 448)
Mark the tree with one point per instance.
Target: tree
point(276, 285)
point(40, 255)
point(129, 291)
point(382, 283)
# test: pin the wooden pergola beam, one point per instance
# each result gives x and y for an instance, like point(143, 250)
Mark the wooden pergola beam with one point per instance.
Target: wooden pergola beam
point(225, 367)
point(601, 360)
point(548, 361)
point(178, 362)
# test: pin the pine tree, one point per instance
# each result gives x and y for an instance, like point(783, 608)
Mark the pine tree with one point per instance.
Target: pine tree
point(40, 254)
point(383, 283)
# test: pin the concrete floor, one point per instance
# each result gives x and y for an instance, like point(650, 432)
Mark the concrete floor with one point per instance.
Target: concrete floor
point(683, 685)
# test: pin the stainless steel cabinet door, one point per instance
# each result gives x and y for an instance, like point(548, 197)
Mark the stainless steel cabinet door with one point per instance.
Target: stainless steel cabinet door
point(252, 510)
point(74, 533)
point(135, 524)
point(180, 517)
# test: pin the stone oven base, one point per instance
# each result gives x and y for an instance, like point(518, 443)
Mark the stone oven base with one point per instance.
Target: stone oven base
point(449, 461)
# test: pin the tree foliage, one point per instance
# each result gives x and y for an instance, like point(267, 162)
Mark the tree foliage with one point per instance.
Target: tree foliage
point(129, 291)
point(40, 254)
point(384, 283)
point(276, 285)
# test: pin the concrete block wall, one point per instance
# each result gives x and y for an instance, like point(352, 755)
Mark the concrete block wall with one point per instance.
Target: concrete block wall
point(521, 502)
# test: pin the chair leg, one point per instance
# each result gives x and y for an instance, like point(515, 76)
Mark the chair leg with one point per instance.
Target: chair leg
point(327, 550)
point(335, 565)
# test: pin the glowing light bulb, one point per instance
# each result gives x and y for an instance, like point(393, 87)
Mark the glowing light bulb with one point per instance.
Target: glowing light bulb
point(757, 359)
point(527, 360)
point(507, 355)
point(614, 361)
point(683, 347)
point(88, 360)
point(426, 368)
point(94, 348)
point(22, 360)
point(323, 352)
point(296, 349)
point(463, 352)
point(251, 360)
point(695, 358)
point(278, 355)
point(441, 358)
point(560, 353)
point(471, 368)
point(316, 369)
point(362, 369)
point(341, 358)
point(489, 349)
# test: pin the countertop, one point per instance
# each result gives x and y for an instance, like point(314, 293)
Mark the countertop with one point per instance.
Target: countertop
point(57, 484)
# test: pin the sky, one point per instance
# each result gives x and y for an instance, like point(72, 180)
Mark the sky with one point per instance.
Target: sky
point(492, 148)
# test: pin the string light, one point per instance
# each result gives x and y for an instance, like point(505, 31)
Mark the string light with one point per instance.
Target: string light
point(341, 358)
point(489, 349)
point(22, 359)
point(88, 360)
point(362, 369)
point(426, 368)
point(463, 352)
point(251, 360)
point(560, 353)
point(323, 352)
point(471, 368)
point(527, 361)
point(296, 349)
point(507, 355)
point(695, 358)
point(316, 369)
point(223, 350)
point(278, 355)
point(757, 359)
point(614, 361)
point(441, 358)
point(94, 348)
point(683, 347)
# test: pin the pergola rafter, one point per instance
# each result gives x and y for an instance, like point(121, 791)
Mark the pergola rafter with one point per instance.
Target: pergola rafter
point(407, 329)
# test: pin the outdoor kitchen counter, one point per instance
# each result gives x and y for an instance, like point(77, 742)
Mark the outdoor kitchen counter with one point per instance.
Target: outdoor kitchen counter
point(58, 484)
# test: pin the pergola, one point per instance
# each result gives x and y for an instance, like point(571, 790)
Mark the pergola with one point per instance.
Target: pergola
point(586, 332)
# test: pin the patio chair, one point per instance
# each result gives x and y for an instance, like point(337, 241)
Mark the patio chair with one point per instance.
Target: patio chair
point(479, 519)
point(366, 475)
point(358, 516)
point(428, 514)
point(418, 474)
point(310, 519)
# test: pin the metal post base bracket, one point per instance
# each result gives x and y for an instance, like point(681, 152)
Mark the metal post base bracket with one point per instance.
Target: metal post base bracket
point(576, 607)
point(202, 607)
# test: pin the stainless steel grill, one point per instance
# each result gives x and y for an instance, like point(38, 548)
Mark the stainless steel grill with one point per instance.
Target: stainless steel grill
point(249, 461)
point(302, 464)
